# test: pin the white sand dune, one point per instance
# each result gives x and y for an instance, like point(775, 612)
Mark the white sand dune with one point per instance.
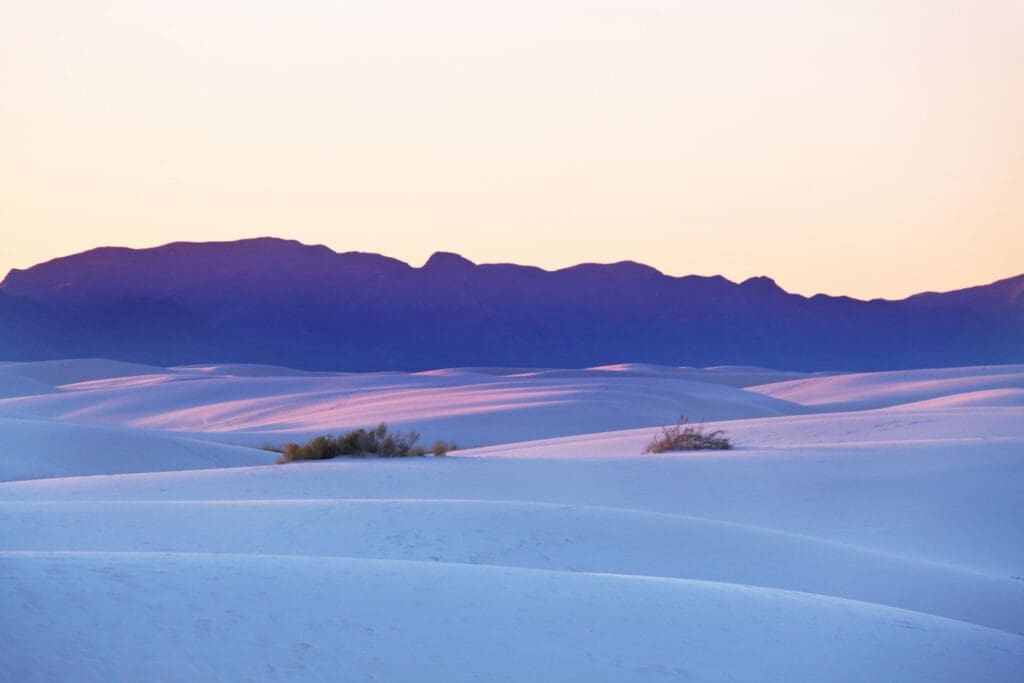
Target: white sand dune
point(243, 617)
point(730, 375)
point(994, 398)
point(472, 408)
point(13, 383)
point(248, 370)
point(33, 449)
point(866, 535)
point(863, 391)
point(487, 532)
point(961, 513)
point(57, 373)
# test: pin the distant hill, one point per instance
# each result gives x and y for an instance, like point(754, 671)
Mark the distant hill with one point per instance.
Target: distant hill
point(277, 301)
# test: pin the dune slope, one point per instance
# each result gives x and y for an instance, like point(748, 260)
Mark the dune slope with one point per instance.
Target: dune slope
point(211, 617)
point(865, 528)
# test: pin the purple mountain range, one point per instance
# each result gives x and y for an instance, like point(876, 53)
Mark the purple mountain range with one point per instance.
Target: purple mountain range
point(276, 301)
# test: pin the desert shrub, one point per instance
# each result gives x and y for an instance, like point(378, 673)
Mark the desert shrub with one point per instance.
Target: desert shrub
point(379, 441)
point(683, 436)
point(442, 447)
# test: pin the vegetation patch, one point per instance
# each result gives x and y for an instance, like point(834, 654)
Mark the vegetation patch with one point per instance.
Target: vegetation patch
point(360, 443)
point(683, 436)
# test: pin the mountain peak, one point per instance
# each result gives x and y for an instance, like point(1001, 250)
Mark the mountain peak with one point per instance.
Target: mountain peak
point(446, 260)
point(762, 284)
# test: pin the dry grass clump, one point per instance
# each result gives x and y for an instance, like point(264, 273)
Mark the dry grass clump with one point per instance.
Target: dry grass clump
point(683, 436)
point(380, 442)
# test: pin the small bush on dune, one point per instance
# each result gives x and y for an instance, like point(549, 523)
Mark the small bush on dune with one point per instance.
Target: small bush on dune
point(442, 447)
point(683, 436)
point(380, 442)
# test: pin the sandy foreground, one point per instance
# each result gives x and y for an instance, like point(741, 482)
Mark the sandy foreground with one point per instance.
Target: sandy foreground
point(866, 527)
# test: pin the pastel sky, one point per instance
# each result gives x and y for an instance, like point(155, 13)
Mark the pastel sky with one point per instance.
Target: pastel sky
point(861, 147)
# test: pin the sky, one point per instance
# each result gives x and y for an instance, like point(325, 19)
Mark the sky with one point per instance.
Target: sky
point(865, 148)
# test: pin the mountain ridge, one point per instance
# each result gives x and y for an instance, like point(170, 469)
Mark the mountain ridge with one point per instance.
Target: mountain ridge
point(307, 306)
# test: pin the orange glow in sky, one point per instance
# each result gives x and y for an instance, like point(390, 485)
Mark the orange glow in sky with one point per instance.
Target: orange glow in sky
point(853, 147)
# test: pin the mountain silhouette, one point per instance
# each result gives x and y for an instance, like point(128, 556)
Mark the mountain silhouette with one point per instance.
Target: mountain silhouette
point(278, 301)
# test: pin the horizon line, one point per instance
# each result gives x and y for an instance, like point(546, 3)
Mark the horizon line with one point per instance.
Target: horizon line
point(443, 252)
